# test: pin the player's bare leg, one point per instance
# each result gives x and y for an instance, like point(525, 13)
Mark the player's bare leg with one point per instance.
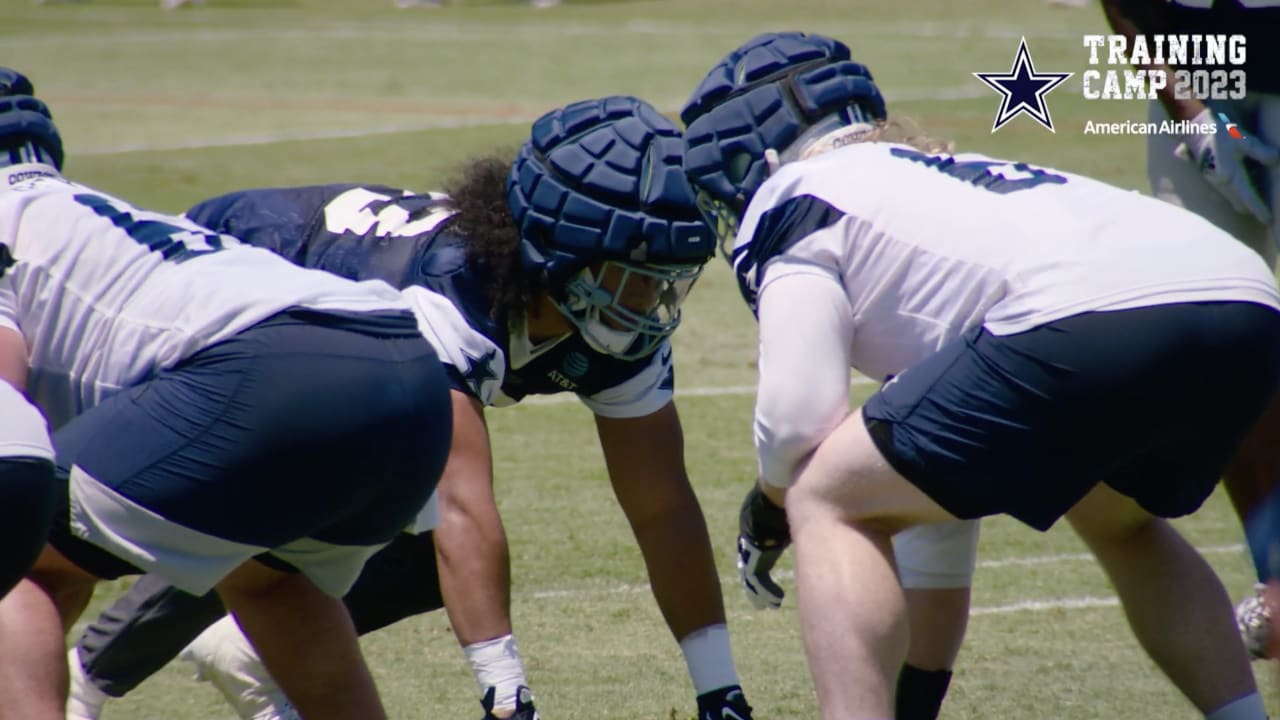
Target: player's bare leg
point(843, 509)
point(34, 617)
point(1252, 476)
point(938, 617)
point(306, 640)
point(935, 567)
point(1255, 470)
point(1163, 583)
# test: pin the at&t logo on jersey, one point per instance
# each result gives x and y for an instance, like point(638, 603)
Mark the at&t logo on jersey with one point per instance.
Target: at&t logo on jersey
point(558, 378)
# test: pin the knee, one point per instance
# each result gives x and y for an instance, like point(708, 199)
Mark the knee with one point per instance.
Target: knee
point(808, 507)
point(937, 556)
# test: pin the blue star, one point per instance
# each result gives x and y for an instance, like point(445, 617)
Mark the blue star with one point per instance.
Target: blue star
point(479, 369)
point(1023, 89)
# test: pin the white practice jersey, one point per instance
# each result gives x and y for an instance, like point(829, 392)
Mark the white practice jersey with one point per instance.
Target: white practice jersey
point(106, 294)
point(927, 246)
point(23, 431)
point(901, 252)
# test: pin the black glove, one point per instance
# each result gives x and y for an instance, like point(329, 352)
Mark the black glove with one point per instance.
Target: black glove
point(763, 534)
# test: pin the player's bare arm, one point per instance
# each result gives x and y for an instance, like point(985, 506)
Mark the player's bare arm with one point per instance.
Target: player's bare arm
point(471, 545)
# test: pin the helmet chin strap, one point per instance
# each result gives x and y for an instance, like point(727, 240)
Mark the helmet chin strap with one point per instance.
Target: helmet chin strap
point(771, 160)
point(605, 339)
point(835, 139)
point(806, 147)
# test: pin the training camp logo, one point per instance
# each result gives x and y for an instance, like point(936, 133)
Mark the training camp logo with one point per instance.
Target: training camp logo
point(1022, 90)
point(1208, 68)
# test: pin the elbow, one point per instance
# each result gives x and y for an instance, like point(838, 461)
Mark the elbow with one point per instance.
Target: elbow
point(783, 449)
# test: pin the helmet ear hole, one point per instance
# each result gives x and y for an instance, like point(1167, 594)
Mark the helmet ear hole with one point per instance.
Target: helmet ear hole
point(737, 167)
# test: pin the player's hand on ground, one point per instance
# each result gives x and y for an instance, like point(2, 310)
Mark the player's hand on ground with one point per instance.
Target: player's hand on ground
point(754, 565)
point(763, 535)
point(1221, 157)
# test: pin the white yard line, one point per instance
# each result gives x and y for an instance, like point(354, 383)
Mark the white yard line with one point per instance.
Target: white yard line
point(561, 398)
point(1062, 603)
point(479, 121)
point(1042, 605)
point(456, 32)
point(306, 135)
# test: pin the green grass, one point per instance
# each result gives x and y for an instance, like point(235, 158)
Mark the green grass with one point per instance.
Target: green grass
point(169, 108)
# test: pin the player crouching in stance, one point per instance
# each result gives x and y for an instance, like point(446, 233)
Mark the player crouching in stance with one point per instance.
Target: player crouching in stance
point(28, 494)
point(935, 561)
point(562, 272)
point(149, 341)
point(995, 305)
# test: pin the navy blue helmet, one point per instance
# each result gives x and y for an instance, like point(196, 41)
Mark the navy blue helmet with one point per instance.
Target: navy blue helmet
point(27, 132)
point(608, 223)
point(772, 93)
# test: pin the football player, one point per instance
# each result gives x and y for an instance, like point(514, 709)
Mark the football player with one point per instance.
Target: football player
point(991, 305)
point(27, 491)
point(561, 272)
point(935, 561)
point(1233, 182)
point(146, 341)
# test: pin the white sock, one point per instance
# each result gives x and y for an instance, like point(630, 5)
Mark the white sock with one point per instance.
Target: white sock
point(706, 652)
point(1248, 707)
point(496, 663)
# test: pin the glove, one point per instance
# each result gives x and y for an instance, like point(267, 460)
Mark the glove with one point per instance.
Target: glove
point(1221, 160)
point(763, 535)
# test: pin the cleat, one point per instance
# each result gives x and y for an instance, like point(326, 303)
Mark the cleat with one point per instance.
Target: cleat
point(1253, 618)
point(224, 658)
point(727, 703)
point(524, 705)
point(84, 700)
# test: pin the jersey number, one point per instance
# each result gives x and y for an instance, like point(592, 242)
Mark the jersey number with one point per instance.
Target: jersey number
point(359, 210)
point(173, 242)
point(998, 177)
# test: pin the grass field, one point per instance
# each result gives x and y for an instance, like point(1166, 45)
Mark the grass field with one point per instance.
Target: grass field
point(166, 108)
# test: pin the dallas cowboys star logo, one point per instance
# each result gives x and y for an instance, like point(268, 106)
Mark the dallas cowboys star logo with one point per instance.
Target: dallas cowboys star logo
point(1023, 90)
point(479, 369)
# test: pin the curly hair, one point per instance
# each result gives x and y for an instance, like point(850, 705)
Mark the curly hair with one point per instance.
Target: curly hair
point(905, 130)
point(478, 191)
